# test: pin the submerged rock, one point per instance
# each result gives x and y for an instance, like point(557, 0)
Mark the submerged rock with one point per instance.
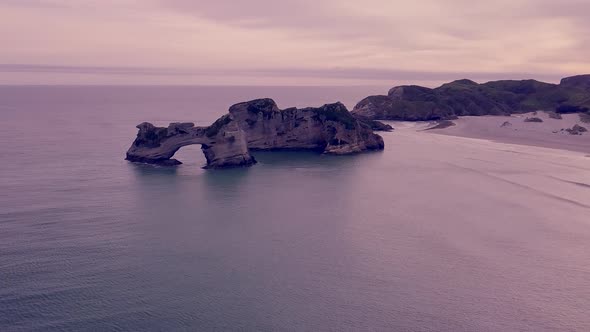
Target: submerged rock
point(258, 125)
point(442, 124)
point(533, 119)
point(506, 124)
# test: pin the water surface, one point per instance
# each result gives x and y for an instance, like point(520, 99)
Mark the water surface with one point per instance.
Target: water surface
point(436, 233)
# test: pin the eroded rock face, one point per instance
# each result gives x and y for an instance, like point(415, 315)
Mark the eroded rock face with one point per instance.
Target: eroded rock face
point(259, 125)
point(330, 128)
point(223, 143)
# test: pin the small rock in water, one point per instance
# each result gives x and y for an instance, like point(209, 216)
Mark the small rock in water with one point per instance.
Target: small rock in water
point(506, 124)
point(533, 120)
point(442, 125)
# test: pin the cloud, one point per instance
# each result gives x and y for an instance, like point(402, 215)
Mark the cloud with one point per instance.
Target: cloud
point(542, 37)
point(504, 35)
point(34, 3)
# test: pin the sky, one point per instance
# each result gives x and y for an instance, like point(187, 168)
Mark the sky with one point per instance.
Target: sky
point(290, 42)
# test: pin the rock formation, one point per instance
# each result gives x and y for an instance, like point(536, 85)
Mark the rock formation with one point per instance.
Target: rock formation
point(223, 143)
point(554, 115)
point(257, 125)
point(442, 125)
point(465, 97)
point(576, 130)
point(373, 124)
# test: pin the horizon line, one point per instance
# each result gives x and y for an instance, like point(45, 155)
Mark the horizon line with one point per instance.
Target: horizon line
point(375, 74)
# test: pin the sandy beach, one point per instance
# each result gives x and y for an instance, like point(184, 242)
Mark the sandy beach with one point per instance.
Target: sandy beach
point(514, 129)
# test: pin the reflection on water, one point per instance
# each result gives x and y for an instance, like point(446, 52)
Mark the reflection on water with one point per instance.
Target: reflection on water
point(145, 170)
point(308, 159)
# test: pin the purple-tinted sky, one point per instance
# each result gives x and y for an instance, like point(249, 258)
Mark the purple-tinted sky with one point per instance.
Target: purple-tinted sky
point(290, 42)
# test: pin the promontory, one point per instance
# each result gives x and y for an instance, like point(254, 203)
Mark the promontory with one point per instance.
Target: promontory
point(466, 97)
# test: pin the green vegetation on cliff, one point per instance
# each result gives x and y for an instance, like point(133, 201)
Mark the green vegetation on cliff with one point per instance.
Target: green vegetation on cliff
point(336, 112)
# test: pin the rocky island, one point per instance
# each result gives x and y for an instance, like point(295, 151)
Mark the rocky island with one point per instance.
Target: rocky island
point(259, 125)
point(468, 98)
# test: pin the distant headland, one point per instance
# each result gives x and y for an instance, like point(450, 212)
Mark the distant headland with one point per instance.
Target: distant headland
point(465, 97)
point(259, 125)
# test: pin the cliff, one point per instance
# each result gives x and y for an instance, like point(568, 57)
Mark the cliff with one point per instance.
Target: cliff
point(257, 125)
point(465, 97)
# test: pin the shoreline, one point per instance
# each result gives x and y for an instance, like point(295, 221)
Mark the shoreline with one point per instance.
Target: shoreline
point(550, 133)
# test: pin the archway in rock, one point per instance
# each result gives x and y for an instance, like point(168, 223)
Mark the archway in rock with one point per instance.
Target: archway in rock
point(223, 143)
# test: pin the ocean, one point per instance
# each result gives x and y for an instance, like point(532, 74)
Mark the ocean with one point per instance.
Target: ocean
point(436, 233)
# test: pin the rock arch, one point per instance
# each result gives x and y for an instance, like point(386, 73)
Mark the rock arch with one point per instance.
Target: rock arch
point(258, 125)
point(223, 147)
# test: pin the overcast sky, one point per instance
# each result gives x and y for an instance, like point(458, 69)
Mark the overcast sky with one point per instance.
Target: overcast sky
point(290, 42)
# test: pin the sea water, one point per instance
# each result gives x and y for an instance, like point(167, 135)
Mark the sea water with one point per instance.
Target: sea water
point(436, 233)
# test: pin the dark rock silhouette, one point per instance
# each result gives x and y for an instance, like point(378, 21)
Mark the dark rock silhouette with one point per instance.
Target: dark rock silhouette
point(554, 115)
point(373, 124)
point(442, 124)
point(465, 97)
point(576, 130)
point(223, 143)
point(257, 125)
point(580, 81)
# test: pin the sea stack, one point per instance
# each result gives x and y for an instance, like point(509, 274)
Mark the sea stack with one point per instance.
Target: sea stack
point(257, 125)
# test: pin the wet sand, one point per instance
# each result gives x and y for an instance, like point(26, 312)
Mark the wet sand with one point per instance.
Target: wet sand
point(550, 133)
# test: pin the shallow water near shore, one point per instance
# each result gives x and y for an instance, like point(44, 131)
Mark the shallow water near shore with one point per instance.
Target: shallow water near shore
point(436, 233)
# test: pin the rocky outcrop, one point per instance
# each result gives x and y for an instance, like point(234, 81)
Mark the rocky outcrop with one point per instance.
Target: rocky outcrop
point(257, 125)
point(465, 97)
point(533, 119)
point(331, 128)
point(576, 130)
point(554, 115)
point(373, 124)
point(442, 125)
point(223, 143)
